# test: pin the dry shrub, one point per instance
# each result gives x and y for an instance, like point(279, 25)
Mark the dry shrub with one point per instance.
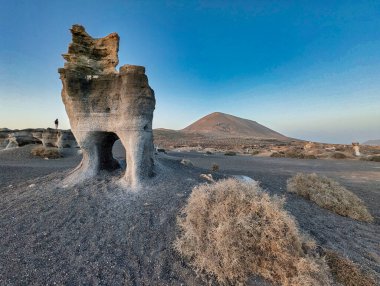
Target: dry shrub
point(233, 230)
point(310, 156)
point(338, 155)
point(215, 167)
point(277, 155)
point(346, 272)
point(330, 195)
point(292, 154)
point(375, 159)
point(48, 152)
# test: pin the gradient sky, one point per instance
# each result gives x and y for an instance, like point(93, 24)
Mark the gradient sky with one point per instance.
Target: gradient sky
point(307, 69)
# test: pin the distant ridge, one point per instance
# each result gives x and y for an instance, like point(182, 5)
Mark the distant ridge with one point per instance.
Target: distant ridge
point(375, 142)
point(223, 125)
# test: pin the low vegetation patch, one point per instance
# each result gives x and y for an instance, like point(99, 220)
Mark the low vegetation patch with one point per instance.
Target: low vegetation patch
point(374, 158)
point(233, 230)
point(346, 272)
point(215, 167)
point(230, 153)
point(292, 154)
point(329, 194)
point(338, 155)
point(48, 152)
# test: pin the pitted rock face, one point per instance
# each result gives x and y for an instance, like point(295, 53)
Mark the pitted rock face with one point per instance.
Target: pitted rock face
point(91, 55)
point(104, 105)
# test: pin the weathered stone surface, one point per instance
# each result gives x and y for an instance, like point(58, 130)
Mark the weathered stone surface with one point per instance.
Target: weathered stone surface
point(47, 137)
point(66, 139)
point(356, 148)
point(21, 138)
point(4, 137)
point(92, 56)
point(104, 105)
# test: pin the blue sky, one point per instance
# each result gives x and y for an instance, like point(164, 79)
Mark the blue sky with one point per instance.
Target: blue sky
point(308, 70)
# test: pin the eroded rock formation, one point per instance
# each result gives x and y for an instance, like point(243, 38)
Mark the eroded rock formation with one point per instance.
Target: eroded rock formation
point(56, 138)
point(356, 148)
point(47, 137)
point(104, 105)
point(21, 138)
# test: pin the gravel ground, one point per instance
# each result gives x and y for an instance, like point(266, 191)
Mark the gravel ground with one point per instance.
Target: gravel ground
point(97, 233)
point(356, 240)
point(18, 165)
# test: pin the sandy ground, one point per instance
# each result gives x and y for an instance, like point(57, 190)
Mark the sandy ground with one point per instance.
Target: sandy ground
point(100, 234)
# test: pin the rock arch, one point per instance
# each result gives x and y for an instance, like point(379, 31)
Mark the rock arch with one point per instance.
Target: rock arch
point(103, 104)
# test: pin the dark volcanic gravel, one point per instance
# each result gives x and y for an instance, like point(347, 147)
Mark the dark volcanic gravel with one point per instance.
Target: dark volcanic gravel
point(97, 233)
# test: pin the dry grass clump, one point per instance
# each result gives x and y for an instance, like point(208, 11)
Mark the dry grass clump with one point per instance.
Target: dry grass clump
point(330, 195)
point(292, 154)
point(215, 167)
point(375, 158)
point(48, 152)
point(346, 272)
point(233, 230)
point(338, 155)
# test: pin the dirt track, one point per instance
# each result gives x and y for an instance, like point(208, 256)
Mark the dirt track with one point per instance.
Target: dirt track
point(100, 234)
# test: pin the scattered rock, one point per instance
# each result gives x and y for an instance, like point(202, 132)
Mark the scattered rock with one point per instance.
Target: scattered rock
point(186, 162)
point(207, 177)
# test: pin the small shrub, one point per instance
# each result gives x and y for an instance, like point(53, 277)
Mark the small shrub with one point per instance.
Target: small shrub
point(310, 156)
point(330, 195)
point(215, 167)
point(208, 153)
point(338, 155)
point(277, 155)
point(375, 158)
point(186, 162)
point(50, 153)
point(346, 272)
point(293, 154)
point(230, 153)
point(233, 230)
point(255, 152)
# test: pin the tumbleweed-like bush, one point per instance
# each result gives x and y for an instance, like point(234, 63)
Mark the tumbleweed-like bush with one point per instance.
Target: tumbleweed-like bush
point(329, 194)
point(48, 152)
point(233, 230)
point(346, 272)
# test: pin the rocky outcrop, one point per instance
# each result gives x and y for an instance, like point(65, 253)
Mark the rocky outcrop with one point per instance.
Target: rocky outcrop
point(66, 139)
point(21, 138)
point(4, 137)
point(104, 105)
point(356, 149)
point(47, 137)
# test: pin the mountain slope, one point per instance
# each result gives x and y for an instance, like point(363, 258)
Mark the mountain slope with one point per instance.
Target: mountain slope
point(375, 142)
point(219, 124)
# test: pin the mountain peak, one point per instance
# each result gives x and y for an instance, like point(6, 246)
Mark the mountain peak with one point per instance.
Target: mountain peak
point(220, 124)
